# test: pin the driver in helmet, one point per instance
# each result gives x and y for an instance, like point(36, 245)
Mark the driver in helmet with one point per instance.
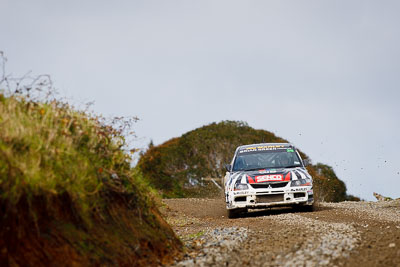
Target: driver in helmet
point(284, 160)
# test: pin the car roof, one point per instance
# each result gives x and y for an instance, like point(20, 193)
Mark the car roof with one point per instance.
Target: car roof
point(264, 144)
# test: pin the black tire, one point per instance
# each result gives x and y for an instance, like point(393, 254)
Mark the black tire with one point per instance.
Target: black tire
point(232, 214)
point(235, 213)
point(304, 208)
point(308, 208)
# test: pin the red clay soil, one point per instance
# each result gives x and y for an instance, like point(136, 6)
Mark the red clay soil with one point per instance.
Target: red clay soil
point(49, 232)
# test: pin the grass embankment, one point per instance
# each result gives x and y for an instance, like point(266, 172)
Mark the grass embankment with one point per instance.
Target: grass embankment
point(68, 194)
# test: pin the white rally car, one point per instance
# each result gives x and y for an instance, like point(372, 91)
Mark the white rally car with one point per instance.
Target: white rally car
point(267, 175)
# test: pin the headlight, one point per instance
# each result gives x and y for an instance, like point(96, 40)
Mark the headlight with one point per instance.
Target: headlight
point(301, 182)
point(241, 186)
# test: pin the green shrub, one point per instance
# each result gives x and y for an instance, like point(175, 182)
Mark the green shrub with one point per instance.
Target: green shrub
point(50, 149)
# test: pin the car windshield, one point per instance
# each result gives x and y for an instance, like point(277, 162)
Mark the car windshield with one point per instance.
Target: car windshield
point(256, 160)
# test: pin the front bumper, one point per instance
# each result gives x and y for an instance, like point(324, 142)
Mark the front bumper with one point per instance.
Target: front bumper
point(262, 198)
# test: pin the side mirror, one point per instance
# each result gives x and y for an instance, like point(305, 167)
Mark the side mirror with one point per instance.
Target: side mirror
point(228, 167)
point(306, 162)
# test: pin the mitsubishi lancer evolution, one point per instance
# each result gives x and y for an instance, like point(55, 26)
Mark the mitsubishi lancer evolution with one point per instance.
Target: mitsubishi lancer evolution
point(267, 175)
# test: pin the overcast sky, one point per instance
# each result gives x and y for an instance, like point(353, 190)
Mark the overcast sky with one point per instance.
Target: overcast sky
point(323, 74)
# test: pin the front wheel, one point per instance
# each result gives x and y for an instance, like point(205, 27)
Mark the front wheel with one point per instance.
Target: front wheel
point(235, 213)
point(308, 208)
point(304, 208)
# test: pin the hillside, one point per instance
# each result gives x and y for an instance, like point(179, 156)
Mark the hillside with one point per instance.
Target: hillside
point(68, 195)
point(177, 166)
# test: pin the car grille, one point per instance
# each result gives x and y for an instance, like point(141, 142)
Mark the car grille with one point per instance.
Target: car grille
point(269, 198)
point(240, 199)
point(267, 185)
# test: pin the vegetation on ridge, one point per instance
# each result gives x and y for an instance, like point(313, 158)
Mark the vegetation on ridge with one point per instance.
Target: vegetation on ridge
point(177, 166)
point(69, 193)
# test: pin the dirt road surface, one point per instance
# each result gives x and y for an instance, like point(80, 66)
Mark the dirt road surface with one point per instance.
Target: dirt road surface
point(335, 234)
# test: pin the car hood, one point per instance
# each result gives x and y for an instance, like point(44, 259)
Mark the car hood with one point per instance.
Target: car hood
point(269, 175)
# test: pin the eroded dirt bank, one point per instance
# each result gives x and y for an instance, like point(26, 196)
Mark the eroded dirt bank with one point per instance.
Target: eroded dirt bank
point(336, 234)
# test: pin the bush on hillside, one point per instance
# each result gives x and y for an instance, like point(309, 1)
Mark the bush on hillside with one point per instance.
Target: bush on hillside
point(177, 166)
point(327, 185)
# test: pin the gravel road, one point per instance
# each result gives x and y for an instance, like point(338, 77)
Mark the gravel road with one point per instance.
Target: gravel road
point(335, 234)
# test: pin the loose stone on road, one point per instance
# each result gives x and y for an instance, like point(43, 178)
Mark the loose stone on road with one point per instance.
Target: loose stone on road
point(336, 234)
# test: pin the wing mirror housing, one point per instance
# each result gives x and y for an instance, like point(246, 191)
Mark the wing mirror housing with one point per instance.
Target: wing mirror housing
point(228, 167)
point(306, 162)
